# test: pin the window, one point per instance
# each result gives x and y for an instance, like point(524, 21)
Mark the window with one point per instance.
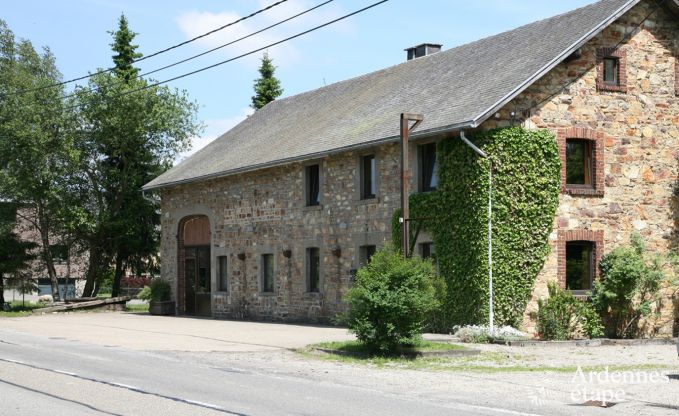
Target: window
point(365, 253)
point(223, 262)
point(428, 167)
point(611, 71)
point(267, 273)
point(313, 269)
point(8, 212)
point(59, 253)
point(579, 265)
point(579, 162)
point(368, 177)
point(427, 250)
point(313, 185)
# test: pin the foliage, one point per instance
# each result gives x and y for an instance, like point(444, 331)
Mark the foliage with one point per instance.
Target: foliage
point(526, 176)
point(629, 288)
point(390, 301)
point(36, 151)
point(563, 317)
point(158, 290)
point(481, 334)
point(267, 86)
point(129, 133)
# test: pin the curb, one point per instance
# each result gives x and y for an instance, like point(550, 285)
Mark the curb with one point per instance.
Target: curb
point(598, 342)
point(408, 354)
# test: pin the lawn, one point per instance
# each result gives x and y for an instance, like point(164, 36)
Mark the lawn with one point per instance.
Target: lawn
point(17, 308)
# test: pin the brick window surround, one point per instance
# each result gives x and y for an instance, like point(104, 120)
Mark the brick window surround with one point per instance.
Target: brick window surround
point(564, 236)
point(583, 133)
point(621, 56)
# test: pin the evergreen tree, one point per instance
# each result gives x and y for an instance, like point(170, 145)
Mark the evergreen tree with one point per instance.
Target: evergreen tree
point(125, 51)
point(267, 87)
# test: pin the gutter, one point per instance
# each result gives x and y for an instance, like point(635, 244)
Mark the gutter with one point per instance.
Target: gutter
point(281, 162)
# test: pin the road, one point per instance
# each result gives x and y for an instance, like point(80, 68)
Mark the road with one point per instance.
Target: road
point(53, 376)
point(137, 364)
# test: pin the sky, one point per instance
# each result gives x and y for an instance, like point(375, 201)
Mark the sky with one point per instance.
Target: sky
point(76, 31)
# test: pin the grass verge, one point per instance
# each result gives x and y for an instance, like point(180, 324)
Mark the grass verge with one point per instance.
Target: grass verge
point(486, 362)
point(18, 308)
point(137, 307)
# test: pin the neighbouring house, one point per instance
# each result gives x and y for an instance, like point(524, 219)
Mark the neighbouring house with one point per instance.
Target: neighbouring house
point(69, 264)
point(271, 220)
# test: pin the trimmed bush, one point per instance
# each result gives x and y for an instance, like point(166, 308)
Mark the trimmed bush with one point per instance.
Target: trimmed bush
point(391, 301)
point(562, 317)
point(158, 290)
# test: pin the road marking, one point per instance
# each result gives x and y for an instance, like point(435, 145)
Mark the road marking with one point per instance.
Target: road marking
point(128, 387)
point(68, 373)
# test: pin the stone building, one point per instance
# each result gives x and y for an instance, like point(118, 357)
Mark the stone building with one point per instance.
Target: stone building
point(271, 220)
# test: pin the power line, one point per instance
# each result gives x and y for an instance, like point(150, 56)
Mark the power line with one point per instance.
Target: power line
point(213, 49)
point(155, 84)
point(103, 71)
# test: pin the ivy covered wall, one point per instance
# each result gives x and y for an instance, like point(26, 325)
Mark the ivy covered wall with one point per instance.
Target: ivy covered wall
point(526, 175)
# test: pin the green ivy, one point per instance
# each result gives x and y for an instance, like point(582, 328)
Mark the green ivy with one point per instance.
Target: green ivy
point(526, 178)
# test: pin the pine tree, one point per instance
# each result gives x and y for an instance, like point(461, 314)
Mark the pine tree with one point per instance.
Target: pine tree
point(267, 87)
point(125, 51)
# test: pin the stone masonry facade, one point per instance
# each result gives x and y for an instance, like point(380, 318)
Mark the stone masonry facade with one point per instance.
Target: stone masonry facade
point(635, 136)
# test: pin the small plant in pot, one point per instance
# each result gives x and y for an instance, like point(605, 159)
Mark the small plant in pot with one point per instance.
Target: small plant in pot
point(157, 293)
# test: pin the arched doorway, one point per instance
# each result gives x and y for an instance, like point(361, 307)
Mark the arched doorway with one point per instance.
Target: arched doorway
point(194, 281)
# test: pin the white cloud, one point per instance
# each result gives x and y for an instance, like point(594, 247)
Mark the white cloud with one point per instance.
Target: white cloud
point(213, 129)
point(194, 23)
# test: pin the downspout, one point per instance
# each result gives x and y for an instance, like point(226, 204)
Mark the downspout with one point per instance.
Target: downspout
point(490, 227)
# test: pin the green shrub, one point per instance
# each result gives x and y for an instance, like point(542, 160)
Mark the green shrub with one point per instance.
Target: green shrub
point(158, 290)
point(562, 316)
point(390, 301)
point(629, 288)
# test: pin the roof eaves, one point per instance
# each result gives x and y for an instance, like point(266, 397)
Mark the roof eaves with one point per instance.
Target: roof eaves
point(310, 156)
point(554, 62)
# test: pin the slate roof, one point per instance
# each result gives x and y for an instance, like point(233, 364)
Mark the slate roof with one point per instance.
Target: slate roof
point(453, 89)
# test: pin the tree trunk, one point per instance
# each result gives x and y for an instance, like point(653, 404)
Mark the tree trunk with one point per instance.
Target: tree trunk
point(118, 275)
point(2, 292)
point(47, 253)
point(93, 270)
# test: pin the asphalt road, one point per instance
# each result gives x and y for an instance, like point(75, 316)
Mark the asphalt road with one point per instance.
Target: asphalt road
point(42, 375)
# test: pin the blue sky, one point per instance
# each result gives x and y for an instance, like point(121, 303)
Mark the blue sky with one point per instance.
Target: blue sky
point(76, 32)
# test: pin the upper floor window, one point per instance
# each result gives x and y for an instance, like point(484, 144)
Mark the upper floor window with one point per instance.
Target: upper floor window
point(579, 162)
point(428, 167)
point(267, 273)
point(59, 253)
point(612, 71)
point(368, 177)
point(8, 212)
point(313, 269)
point(313, 185)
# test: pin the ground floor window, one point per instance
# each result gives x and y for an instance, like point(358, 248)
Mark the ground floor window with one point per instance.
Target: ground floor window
point(223, 262)
point(365, 253)
point(579, 265)
point(313, 268)
point(267, 273)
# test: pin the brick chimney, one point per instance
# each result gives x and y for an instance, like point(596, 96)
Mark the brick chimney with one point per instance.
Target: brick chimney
point(423, 50)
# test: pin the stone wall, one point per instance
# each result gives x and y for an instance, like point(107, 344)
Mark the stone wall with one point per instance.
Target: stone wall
point(264, 212)
point(638, 128)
